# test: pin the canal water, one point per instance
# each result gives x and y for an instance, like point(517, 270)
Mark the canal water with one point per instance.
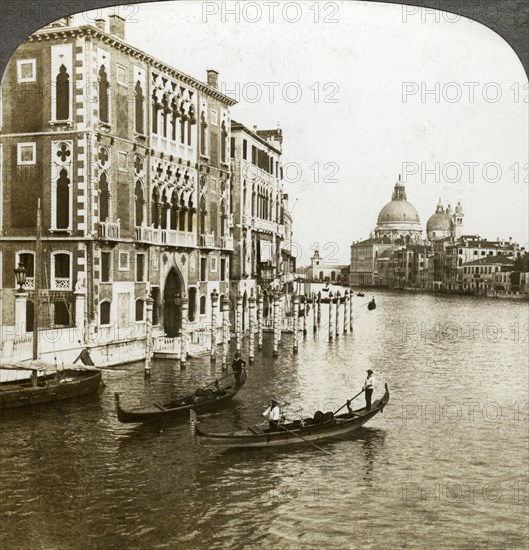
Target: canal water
point(444, 466)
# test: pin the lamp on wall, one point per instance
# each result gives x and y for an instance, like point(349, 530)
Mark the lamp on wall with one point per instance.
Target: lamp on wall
point(20, 276)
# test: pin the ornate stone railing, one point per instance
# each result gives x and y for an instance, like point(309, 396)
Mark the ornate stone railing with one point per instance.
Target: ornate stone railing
point(109, 230)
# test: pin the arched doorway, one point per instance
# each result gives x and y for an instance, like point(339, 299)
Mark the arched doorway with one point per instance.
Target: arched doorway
point(172, 309)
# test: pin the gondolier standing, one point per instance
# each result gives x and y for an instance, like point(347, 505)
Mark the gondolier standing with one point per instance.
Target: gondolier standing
point(273, 413)
point(369, 386)
point(238, 366)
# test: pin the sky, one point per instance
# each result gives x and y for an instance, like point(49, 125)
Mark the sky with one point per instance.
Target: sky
point(363, 92)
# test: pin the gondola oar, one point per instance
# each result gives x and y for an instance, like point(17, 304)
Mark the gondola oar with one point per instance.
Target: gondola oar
point(348, 401)
point(305, 440)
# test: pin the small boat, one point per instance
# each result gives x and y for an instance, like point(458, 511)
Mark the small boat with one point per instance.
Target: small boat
point(361, 294)
point(322, 426)
point(53, 384)
point(371, 305)
point(201, 400)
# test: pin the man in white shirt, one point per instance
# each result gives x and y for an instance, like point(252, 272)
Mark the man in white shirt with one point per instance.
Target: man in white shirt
point(369, 386)
point(273, 413)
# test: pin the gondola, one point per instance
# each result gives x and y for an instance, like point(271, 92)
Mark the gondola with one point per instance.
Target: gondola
point(52, 385)
point(201, 400)
point(361, 294)
point(371, 305)
point(322, 426)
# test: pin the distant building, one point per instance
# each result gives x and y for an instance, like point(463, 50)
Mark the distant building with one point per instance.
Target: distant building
point(325, 271)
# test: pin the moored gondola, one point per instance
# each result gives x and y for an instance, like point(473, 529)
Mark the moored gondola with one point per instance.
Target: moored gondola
point(321, 427)
point(200, 401)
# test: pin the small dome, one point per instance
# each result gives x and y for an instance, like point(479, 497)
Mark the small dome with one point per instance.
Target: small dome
point(439, 222)
point(449, 210)
point(459, 208)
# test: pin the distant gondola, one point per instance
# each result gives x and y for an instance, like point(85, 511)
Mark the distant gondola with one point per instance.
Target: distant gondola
point(200, 400)
point(371, 305)
point(322, 426)
point(361, 294)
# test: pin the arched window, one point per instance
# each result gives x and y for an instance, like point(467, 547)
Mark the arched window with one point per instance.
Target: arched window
point(191, 210)
point(62, 212)
point(182, 215)
point(202, 305)
point(139, 116)
point(165, 207)
point(154, 115)
point(165, 116)
point(223, 141)
point(27, 259)
point(203, 214)
point(60, 271)
point(203, 127)
point(62, 110)
point(254, 200)
point(321, 275)
point(175, 207)
point(104, 313)
point(183, 119)
point(103, 94)
point(333, 275)
point(138, 204)
point(192, 303)
point(140, 308)
point(223, 218)
point(154, 206)
point(104, 198)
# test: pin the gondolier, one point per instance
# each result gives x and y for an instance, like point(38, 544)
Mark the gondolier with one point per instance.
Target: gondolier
point(273, 413)
point(369, 386)
point(238, 366)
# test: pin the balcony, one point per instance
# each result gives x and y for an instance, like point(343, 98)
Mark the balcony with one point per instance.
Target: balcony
point(29, 284)
point(168, 237)
point(207, 240)
point(61, 283)
point(226, 242)
point(109, 231)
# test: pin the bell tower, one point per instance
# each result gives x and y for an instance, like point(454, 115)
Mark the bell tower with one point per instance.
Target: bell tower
point(458, 221)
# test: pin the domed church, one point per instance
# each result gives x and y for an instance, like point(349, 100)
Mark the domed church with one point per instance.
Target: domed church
point(445, 224)
point(399, 220)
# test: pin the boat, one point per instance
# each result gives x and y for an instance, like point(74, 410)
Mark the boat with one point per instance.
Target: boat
point(201, 400)
point(371, 305)
point(52, 385)
point(321, 427)
point(39, 382)
point(361, 294)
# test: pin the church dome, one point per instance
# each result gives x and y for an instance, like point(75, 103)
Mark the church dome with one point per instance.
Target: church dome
point(440, 224)
point(399, 210)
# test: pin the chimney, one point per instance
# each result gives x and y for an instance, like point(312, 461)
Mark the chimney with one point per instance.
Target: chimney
point(100, 24)
point(213, 78)
point(117, 26)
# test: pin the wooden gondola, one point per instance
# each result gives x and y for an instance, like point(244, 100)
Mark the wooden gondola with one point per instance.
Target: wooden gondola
point(321, 427)
point(52, 385)
point(200, 401)
point(361, 294)
point(372, 305)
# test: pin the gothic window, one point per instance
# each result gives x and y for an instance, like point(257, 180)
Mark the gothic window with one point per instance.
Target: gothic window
point(104, 198)
point(165, 207)
point(191, 121)
point(63, 200)
point(223, 140)
point(174, 211)
point(223, 217)
point(202, 305)
point(254, 200)
point(174, 118)
point(63, 94)
point(183, 128)
point(190, 214)
point(138, 204)
point(154, 206)
point(139, 116)
point(182, 217)
point(104, 313)
point(165, 116)
point(103, 95)
point(202, 215)
point(154, 115)
point(203, 127)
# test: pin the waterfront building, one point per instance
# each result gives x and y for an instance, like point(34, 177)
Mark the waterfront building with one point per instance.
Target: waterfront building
point(262, 225)
point(480, 276)
point(130, 159)
point(322, 269)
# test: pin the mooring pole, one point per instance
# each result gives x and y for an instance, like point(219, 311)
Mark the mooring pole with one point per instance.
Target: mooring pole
point(214, 305)
point(345, 301)
point(260, 320)
point(331, 328)
point(295, 313)
point(238, 322)
point(338, 296)
point(225, 306)
point(251, 337)
point(184, 303)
